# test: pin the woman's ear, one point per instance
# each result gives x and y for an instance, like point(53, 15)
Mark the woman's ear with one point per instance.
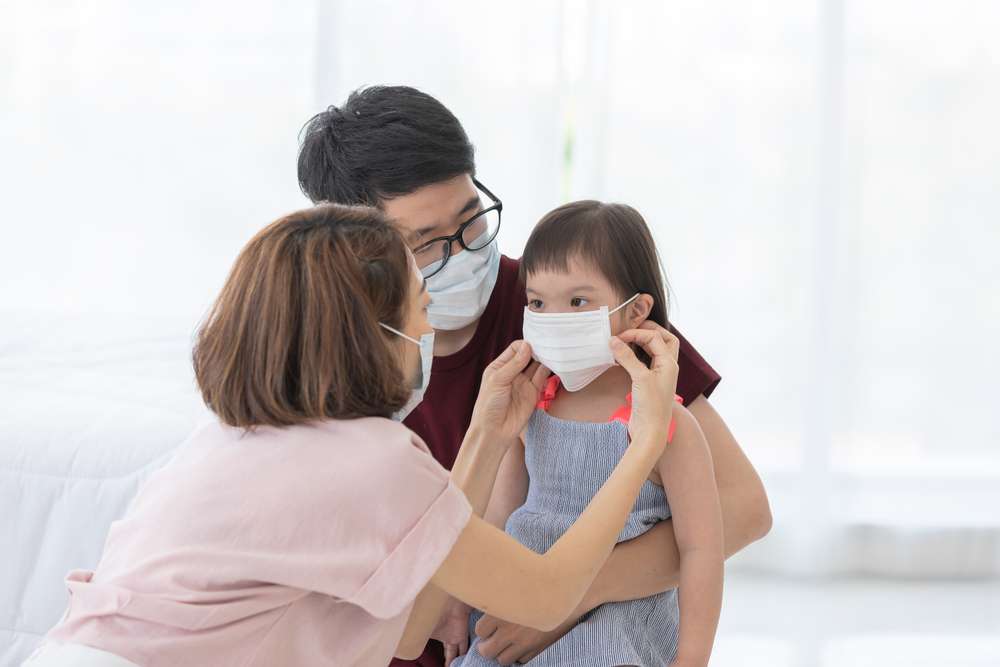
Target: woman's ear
point(639, 310)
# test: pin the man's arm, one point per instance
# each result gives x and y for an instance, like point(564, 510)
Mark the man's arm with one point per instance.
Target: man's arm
point(650, 563)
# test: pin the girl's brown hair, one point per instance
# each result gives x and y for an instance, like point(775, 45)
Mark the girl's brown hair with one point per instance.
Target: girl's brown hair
point(294, 336)
point(612, 237)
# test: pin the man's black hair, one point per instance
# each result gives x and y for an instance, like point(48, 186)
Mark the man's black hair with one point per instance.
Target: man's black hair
point(385, 141)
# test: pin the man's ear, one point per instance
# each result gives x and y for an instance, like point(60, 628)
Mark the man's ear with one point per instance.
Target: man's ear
point(639, 310)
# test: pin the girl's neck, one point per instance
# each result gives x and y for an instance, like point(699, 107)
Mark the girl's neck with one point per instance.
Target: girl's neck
point(597, 401)
point(614, 381)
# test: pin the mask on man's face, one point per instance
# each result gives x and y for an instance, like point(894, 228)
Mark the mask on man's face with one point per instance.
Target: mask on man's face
point(462, 289)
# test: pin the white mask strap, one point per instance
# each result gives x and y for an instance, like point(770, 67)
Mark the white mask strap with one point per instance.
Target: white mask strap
point(400, 333)
point(634, 297)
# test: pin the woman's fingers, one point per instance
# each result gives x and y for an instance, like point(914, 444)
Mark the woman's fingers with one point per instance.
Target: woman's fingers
point(672, 341)
point(450, 653)
point(539, 376)
point(659, 344)
point(510, 363)
point(626, 358)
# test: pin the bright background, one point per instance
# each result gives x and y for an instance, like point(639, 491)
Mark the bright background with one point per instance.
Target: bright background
point(822, 177)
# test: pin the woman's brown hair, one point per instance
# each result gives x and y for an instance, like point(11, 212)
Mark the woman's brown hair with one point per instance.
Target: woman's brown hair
point(294, 335)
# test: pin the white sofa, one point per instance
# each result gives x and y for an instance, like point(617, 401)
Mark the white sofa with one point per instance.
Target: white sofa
point(89, 406)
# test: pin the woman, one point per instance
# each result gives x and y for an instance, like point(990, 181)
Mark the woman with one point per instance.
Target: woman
point(304, 526)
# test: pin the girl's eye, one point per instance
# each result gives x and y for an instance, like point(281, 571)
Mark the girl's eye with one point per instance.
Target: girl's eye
point(535, 304)
point(577, 301)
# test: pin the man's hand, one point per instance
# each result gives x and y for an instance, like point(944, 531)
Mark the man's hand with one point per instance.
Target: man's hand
point(509, 643)
point(453, 629)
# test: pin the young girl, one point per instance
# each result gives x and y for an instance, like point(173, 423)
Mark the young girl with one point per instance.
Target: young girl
point(591, 271)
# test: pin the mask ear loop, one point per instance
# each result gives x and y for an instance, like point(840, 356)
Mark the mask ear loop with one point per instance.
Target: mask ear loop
point(400, 333)
point(625, 303)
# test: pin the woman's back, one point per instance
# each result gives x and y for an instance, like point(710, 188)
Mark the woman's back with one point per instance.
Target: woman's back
point(190, 574)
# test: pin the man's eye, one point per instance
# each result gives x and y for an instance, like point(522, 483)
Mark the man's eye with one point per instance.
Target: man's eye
point(577, 301)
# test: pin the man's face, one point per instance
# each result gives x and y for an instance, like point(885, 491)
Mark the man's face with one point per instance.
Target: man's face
point(434, 210)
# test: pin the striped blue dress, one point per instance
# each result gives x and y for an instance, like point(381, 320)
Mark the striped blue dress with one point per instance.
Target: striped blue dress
point(567, 464)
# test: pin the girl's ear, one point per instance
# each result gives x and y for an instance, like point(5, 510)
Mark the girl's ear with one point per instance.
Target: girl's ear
point(639, 310)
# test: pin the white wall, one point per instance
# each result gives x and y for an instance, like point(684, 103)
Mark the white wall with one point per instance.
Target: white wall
point(821, 178)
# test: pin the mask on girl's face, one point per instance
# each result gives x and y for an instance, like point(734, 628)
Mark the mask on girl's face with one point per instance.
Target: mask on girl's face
point(426, 345)
point(461, 290)
point(574, 346)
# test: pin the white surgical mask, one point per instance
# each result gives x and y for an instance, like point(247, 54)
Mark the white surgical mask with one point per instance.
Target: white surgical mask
point(574, 346)
point(426, 345)
point(461, 290)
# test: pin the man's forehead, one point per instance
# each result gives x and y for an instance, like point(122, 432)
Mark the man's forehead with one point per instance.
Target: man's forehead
point(432, 204)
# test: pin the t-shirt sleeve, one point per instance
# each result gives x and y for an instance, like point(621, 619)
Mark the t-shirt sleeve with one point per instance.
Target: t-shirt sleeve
point(696, 376)
point(415, 516)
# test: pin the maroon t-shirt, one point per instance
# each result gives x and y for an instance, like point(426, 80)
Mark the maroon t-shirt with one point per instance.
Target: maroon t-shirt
point(443, 417)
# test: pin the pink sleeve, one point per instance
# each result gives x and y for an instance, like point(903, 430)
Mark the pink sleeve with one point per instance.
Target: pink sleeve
point(416, 518)
point(357, 510)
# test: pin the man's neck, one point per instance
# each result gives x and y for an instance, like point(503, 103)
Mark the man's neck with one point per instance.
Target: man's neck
point(450, 342)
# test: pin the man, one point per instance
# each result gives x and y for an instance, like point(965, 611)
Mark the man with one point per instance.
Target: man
point(402, 151)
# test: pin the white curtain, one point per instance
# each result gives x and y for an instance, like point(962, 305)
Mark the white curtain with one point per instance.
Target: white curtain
point(820, 176)
point(143, 143)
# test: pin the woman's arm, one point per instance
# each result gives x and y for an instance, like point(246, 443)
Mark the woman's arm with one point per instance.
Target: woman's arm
point(686, 471)
point(474, 472)
point(509, 493)
point(488, 569)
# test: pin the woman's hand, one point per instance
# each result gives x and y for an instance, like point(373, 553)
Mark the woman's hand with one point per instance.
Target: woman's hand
point(653, 388)
point(508, 394)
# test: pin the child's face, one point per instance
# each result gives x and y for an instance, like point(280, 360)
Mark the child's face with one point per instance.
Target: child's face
point(582, 288)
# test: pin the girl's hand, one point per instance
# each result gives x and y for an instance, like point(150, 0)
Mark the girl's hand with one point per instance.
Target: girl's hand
point(508, 394)
point(453, 629)
point(653, 388)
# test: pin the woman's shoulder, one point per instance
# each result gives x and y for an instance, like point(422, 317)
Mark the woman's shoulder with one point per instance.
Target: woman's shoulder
point(380, 448)
point(381, 432)
point(362, 446)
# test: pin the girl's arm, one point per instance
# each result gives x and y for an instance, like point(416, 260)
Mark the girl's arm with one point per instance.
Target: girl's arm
point(689, 481)
point(511, 488)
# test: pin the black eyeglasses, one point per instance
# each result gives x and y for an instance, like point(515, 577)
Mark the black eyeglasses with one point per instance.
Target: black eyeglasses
point(474, 234)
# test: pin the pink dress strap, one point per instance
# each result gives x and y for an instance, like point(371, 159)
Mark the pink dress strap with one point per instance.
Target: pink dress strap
point(622, 414)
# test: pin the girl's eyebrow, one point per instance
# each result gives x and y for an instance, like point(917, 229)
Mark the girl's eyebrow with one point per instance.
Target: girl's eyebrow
point(578, 288)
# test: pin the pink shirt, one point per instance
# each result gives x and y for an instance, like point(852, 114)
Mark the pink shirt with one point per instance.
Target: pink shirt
point(298, 546)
